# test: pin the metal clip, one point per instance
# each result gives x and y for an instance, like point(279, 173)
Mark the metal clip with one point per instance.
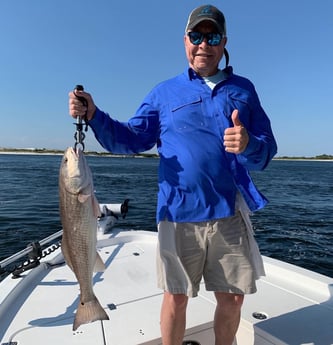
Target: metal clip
point(79, 136)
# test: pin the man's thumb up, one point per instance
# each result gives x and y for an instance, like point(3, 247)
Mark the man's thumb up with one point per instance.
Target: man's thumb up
point(235, 119)
point(235, 138)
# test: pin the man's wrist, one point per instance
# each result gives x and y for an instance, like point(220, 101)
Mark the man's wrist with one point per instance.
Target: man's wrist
point(91, 113)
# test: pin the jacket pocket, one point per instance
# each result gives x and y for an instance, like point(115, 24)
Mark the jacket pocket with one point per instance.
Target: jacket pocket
point(188, 114)
point(241, 103)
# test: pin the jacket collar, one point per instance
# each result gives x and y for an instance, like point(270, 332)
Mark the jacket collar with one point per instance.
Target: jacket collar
point(192, 75)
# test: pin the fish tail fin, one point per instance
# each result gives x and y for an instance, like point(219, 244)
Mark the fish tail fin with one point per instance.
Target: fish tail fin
point(99, 264)
point(88, 312)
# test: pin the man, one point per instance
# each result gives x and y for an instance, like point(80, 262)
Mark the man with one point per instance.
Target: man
point(210, 130)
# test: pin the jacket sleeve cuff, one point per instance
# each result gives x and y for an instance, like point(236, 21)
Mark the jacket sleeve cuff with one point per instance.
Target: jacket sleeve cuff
point(252, 146)
point(96, 117)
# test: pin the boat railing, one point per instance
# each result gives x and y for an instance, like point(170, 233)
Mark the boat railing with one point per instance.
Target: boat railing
point(34, 249)
point(31, 249)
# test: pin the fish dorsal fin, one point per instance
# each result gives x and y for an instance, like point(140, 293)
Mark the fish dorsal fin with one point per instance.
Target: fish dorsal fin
point(83, 197)
point(99, 264)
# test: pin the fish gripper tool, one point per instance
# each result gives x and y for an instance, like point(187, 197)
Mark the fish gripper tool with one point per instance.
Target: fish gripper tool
point(79, 136)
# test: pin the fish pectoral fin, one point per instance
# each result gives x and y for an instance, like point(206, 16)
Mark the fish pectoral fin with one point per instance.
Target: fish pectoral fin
point(83, 197)
point(99, 264)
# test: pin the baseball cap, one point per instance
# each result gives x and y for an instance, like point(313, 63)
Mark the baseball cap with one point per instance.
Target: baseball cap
point(206, 12)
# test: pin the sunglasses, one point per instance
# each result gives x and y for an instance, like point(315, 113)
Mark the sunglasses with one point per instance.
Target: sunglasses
point(213, 38)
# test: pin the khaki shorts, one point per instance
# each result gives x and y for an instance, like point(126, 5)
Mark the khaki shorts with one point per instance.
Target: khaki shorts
point(217, 251)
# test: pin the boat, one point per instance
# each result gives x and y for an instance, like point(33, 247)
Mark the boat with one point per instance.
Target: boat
point(38, 299)
point(110, 214)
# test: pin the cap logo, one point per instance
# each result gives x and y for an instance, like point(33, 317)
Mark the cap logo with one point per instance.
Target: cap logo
point(206, 10)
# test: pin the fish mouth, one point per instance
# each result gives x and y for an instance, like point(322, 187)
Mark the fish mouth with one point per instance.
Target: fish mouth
point(78, 151)
point(75, 151)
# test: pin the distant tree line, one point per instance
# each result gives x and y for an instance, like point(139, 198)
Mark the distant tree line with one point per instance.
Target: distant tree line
point(153, 155)
point(320, 157)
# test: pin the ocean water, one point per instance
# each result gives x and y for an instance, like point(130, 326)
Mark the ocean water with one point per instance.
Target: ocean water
point(296, 226)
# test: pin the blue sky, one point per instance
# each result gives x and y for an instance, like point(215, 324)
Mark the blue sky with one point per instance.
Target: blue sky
point(120, 50)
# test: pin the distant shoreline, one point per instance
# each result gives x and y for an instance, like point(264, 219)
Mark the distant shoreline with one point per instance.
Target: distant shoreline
point(321, 158)
point(317, 159)
point(46, 152)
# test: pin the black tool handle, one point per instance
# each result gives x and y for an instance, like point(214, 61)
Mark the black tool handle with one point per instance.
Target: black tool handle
point(82, 99)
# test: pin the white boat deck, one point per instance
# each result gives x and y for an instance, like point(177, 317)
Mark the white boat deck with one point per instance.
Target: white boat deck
point(41, 308)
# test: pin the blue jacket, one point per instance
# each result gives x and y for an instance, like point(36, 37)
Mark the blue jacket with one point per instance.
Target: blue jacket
point(198, 180)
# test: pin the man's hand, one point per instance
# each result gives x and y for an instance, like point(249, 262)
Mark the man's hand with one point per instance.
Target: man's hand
point(236, 138)
point(76, 108)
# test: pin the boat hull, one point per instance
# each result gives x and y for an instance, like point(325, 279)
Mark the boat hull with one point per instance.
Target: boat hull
point(40, 306)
